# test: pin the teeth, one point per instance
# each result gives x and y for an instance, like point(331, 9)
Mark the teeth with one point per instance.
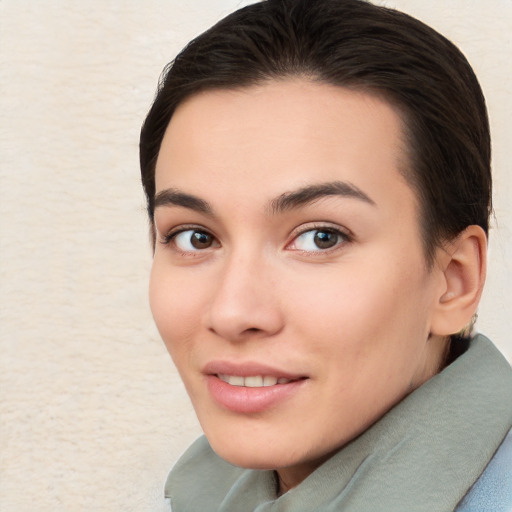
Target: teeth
point(254, 381)
point(235, 380)
point(269, 381)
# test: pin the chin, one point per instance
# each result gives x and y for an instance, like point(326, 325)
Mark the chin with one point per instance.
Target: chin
point(250, 452)
point(270, 452)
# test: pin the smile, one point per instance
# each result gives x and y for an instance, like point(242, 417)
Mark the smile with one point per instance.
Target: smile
point(254, 381)
point(253, 393)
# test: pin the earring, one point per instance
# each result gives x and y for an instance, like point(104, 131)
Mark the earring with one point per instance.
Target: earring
point(468, 330)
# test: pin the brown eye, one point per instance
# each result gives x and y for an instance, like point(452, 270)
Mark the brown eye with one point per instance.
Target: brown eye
point(326, 239)
point(193, 240)
point(201, 240)
point(320, 239)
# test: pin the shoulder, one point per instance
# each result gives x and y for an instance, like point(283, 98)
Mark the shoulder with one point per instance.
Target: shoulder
point(493, 490)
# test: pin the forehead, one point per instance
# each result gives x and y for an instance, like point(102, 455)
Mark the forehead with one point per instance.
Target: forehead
point(263, 140)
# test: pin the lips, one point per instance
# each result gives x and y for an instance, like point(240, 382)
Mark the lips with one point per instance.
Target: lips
point(250, 387)
point(248, 369)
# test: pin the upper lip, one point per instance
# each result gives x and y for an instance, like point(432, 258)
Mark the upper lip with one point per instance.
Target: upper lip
point(248, 369)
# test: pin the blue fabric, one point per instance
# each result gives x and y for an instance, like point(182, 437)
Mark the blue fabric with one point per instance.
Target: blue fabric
point(492, 492)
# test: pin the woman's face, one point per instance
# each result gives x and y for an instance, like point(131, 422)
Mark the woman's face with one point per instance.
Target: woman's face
point(289, 281)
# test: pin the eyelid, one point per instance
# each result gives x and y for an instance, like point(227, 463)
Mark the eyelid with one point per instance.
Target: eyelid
point(169, 234)
point(345, 233)
point(318, 225)
point(167, 237)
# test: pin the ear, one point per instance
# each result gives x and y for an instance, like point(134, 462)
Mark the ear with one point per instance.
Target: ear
point(463, 263)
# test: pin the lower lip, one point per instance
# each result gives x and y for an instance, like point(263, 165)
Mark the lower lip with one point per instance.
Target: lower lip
point(251, 400)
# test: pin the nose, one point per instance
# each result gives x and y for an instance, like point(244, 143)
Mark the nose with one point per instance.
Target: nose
point(245, 302)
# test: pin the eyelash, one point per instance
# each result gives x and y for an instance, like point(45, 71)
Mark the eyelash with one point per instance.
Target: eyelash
point(170, 237)
point(344, 238)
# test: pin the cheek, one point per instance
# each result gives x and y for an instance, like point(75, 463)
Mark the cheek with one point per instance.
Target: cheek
point(364, 332)
point(362, 311)
point(175, 305)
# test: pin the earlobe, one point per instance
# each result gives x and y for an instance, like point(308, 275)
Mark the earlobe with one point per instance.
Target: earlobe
point(464, 264)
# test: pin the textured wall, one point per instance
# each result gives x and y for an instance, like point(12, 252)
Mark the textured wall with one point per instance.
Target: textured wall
point(92, 412)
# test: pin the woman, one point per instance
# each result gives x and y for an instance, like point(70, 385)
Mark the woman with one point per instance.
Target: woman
point(318, 185)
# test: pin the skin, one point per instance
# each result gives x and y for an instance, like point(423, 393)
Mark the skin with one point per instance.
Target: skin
point(355, 319)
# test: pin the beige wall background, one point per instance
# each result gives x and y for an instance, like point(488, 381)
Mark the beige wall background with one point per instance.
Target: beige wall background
point(92, 413)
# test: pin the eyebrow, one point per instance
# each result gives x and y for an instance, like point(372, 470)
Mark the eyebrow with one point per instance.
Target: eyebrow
point(284, 202)
point(312, 193)
point(173, 197)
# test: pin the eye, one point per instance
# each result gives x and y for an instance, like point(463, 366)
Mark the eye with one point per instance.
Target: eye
point(319, 239)
point(192, 240)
